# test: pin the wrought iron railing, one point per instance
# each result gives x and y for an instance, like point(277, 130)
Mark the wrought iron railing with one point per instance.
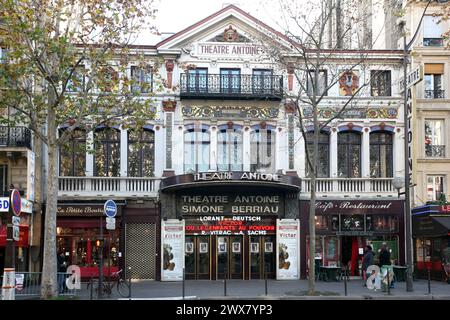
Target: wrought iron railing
point(15, 137)
point(435, 151)
point(231, 86)
point(434, 94)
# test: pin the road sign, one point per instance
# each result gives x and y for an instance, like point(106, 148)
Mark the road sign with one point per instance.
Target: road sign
point(110, 223)
point(16, 202)
point(15, 220)
point(110, 208)
point(16, 233)
point(412, 78)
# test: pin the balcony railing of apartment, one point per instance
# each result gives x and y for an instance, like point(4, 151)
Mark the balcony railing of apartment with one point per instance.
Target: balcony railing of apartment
point(434, 94)
point(108, 186)
point(433, 42)
point(435, 151)
point(352, 185)
point(15, 137)
point(231, 86)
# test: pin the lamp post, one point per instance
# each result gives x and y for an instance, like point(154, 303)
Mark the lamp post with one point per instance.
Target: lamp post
point(407, 113)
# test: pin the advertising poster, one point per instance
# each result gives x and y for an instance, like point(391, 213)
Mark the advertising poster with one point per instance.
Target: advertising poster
point(172, 242)
point(288, 257)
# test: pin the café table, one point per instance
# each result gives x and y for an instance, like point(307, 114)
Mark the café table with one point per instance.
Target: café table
point(332, 273)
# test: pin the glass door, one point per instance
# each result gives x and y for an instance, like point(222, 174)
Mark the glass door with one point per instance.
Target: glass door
point(230, 80)
point(197, 257)
point(262, 257)
point(230, 257)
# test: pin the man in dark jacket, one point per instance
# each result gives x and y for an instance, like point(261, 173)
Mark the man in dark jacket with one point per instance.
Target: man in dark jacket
point(62, 268)
point(368, 258)
point(385, 256)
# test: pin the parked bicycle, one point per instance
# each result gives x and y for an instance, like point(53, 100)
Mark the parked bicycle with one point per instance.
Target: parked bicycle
point(123, 288)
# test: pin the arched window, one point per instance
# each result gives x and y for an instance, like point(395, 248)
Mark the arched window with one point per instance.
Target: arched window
point(229, 150)
point(107, 152)
point(262, 153)
point(323, 163)
point(349, 154)
point(196, 150)
point(141, 153)
point(72, 155)
point(381, 157)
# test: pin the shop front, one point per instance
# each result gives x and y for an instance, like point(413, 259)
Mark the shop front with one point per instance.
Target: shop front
point(431, 238)
point(230, 224)
point(79, 237)
point(345, 227)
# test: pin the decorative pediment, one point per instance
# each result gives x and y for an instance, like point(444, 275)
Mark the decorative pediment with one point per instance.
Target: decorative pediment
point(230, 34)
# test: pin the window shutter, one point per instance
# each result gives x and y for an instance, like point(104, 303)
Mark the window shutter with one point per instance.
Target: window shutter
point(434, 68)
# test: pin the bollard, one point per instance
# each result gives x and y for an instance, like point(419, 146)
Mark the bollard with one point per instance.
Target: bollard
point(345, 281)
point(183, 282)
point(429, 281)
point(265, 284)
point(129, 283)
point(92, 285)
point(225, 287)
point(388, 283)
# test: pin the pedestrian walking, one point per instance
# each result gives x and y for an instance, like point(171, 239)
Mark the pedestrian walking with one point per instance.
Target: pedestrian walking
point(62, 269)
point(368, 260)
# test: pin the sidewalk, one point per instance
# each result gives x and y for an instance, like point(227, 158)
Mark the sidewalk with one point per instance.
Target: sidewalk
point(255, 289)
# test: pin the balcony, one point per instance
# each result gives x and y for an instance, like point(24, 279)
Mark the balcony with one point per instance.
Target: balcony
point(95, 187)
point(434, 94)
point(15, 137)
point(434, 151)
point(237, 87)
point(354, 186)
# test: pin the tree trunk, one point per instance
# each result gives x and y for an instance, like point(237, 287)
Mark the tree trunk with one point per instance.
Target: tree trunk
point(49, 285)
point(312, 238)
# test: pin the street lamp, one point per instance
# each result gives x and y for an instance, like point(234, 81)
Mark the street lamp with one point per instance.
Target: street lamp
point(408, 145)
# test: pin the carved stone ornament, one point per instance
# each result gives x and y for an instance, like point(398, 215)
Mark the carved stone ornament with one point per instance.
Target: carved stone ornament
point(169, 65)
point(169, 105)
point(230, 35)
point(348, 83)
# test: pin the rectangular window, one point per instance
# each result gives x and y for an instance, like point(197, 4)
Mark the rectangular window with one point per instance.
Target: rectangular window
point(230, 80)
point(142, 79)
point(434, 138)
point(322, 83)
point(435, 187)
point(262, 81)
point(432, 32)
point(197, 80)
point(77, 81)
point(3, 179)
point(434, 81)
point(380, 83)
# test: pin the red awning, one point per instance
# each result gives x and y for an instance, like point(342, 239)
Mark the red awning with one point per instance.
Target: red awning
point(23, 236)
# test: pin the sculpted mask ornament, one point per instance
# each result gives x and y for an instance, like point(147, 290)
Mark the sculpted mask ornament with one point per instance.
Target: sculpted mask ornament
point(348, 83)
point(230, 35)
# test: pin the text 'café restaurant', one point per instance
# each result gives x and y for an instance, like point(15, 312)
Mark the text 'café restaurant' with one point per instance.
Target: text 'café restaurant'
point(230, 225)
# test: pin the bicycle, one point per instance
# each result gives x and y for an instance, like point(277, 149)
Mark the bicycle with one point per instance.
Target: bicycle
point(123, 288)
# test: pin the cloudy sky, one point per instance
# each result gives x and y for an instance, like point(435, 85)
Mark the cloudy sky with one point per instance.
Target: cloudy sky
point(175, 15)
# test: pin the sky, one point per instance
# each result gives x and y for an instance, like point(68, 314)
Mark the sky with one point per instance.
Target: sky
point(176, 15)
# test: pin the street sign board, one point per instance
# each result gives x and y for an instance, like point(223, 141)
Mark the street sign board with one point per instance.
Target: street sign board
point(16, 233)
point(110, 223)
point(15, 220)
point(16, 202)
point(110, 208)
point(412, 78)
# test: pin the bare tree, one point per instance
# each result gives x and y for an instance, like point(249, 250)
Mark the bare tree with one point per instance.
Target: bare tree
point(66, 65)
point(325, 45)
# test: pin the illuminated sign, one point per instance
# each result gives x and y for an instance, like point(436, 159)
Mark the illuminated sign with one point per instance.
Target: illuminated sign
point(236, 225)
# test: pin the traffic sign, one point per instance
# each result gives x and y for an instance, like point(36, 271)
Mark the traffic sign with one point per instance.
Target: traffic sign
point(15, 220)
point(110, 208)
point(110, 223)
point(16, 202)
point(16, 233)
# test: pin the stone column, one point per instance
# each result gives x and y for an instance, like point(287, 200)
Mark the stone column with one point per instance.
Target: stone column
point(159, 151)
point(123, 152)
point(333, 153)
point(246, 148)
point(89, 155)
point(213, 148)
point(365, 153)
point(169, 68)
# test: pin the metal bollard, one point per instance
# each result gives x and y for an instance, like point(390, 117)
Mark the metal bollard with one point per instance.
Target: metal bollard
point(345, 280)
point(388, 283)
point(129, 282)
point(265, 280)
point(429, 281)
point(184, 277)
point(92, 285)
